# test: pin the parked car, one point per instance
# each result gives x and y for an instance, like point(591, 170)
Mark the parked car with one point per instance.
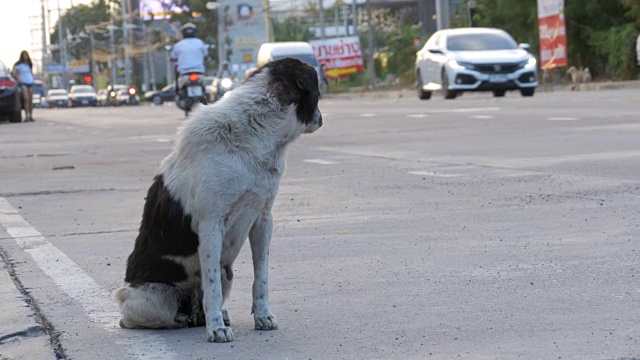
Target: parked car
point(38, 99)
point(10, 96)
point(57, 98)
point(167, 93)
point(102, 97)
point(474, 59)
point(82, 95)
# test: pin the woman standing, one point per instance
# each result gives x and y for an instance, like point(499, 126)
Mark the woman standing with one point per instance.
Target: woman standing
point(22, 70)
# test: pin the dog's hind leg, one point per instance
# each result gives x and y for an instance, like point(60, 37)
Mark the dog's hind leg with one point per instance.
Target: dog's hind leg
point(150, 305)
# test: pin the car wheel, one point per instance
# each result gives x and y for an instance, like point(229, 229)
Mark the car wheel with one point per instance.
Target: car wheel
point(448, 94)
point(157, 100)
point(16, 114)
point(499, 93)
point(423, 95)
point(528, 91)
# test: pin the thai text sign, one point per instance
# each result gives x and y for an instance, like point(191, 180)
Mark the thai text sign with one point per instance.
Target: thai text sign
point(341, 56)
point(553, 35)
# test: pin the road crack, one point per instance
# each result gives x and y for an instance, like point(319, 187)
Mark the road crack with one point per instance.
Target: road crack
point(40, 318)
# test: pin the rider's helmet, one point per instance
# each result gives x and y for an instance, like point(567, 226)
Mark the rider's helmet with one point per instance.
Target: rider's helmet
point(188, 30)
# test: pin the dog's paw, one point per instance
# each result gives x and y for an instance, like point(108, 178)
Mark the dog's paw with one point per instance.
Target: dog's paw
point(266, 322)
point(182, 320)
point(226, 318)
point(219, 335)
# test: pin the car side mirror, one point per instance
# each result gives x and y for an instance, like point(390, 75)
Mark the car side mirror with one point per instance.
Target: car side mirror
point(524, 46)
point(435, 50)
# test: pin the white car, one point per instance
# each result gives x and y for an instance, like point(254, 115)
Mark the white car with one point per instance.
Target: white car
point(474, 59)
point(57, 98)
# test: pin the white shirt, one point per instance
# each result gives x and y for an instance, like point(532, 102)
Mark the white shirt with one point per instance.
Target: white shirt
point(190, 54)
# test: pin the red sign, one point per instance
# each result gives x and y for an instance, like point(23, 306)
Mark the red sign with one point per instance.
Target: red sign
point(341, 56)
point(553, 34)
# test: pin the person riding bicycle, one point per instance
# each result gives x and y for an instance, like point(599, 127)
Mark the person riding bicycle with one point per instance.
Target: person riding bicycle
point(190, 53)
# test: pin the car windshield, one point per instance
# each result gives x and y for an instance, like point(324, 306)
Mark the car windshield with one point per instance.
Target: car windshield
point(168, 87)
point(308, 58)
point(480, 42)
point(3, 70)
point(83, 90)
point(57, 92)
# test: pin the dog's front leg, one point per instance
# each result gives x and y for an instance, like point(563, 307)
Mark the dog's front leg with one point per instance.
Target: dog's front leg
point(211, 236)
point(260, 239)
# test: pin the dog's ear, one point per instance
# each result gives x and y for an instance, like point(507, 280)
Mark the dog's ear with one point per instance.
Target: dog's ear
point(281, 89)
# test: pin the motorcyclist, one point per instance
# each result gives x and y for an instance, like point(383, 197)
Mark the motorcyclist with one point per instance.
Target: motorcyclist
point(190, 54)
point(225, 72)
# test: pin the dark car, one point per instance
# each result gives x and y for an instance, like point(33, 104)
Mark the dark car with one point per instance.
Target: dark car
point(82, 95)
point(10, 96)
point(167, 93)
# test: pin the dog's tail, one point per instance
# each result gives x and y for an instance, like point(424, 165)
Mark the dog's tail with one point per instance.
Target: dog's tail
point(149, 305)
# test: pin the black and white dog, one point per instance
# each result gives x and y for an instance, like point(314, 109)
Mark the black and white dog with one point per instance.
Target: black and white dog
point(214, 190)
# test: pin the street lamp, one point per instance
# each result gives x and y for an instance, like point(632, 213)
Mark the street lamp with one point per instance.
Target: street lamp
point(471, 7)
point(212, 5)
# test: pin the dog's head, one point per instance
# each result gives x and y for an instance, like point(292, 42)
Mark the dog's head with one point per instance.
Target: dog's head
point(292, 82)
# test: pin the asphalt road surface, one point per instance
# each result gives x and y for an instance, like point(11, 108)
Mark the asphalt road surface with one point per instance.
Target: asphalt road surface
point(478, 228)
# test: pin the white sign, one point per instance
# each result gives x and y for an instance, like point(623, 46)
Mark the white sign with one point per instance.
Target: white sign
point(638, 49)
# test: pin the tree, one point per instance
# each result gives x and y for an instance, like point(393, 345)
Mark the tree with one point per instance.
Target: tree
point(600, 34)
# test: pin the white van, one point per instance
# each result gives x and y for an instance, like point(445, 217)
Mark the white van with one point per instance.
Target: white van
point(295, 49)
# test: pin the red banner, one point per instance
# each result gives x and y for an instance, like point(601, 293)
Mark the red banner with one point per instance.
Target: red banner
point(553, 35)
point(341, 56)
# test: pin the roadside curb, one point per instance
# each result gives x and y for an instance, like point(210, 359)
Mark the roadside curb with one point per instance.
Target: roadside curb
point(21, 335)
point(361, 92)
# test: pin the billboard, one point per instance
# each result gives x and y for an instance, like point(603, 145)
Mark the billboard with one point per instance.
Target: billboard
point(160, 9)
point(553, 34)
point(341, 56)
point(245, 32)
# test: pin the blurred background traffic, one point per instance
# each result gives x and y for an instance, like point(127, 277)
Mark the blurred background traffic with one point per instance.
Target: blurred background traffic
point(116, 52)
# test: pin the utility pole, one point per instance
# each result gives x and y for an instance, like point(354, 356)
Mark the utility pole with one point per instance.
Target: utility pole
point(354, 16)
point(62, 50)
point(345, 18)
point(370, 64)
point(112, 51)
point(125, 43)
point(321, 4)
point(44, 41)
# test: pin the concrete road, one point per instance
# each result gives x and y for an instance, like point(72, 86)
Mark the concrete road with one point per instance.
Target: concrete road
point(478, 228)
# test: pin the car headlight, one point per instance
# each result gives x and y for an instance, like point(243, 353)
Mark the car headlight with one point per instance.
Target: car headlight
point(455, 65)
point(531, 63)
point(226, 83)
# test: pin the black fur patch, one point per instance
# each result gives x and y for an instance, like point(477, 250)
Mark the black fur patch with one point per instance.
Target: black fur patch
point(164, 230)
point(293, 81)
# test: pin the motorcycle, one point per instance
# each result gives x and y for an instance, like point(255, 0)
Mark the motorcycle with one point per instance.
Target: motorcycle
point(133, 98)
point(191, 91)
point(222, 86)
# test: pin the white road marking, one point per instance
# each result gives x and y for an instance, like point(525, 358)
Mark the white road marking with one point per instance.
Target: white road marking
point(482, 109)
point(70, 277)
point(163, 140)
point(562, 119)
point(435, 174)
point(320, 161)
point(367, 115)
point(482, 117)
point(417, 115)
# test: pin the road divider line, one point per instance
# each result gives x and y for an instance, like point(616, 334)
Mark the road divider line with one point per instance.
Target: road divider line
point(435, 174)
point(562, 119)
point(367, 115)
point(320, 161)
point(78, 285)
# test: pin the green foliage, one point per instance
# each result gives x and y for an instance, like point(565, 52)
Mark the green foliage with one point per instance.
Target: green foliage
point(601, 34)
point(291, 30)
